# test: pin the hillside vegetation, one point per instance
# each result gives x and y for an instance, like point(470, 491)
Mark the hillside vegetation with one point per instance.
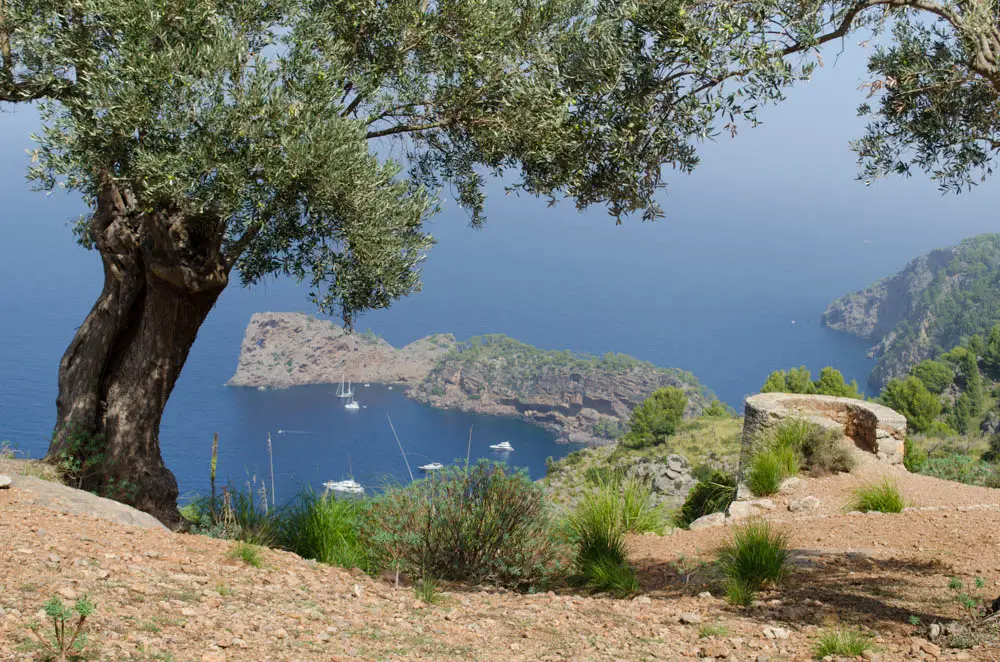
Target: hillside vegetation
point(937, 302)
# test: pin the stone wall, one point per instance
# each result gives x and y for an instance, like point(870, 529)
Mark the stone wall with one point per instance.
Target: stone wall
point(873, 428)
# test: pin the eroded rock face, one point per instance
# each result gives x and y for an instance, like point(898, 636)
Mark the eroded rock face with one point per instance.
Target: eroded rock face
point(872, 427)
point(671, 478)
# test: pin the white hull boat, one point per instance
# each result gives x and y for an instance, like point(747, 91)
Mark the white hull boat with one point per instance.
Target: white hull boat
point(348, 486)
point(502, 446)
point(433, 466)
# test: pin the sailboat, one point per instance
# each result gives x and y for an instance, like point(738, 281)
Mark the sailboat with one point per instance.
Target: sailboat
point(352, 403)
point(341, 393)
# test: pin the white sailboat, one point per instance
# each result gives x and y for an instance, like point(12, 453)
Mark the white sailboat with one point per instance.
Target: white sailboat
point(352, 404)
point(502, 446)
point(341, 392)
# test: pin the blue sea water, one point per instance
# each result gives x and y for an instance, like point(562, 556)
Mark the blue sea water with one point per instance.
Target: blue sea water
point(730, 286)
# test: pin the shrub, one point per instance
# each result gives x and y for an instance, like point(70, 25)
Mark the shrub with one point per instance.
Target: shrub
point(756, 555)
point(936, 375)
point(483, 524)
point(845, 643)
point(427, 590)
point(656, 418)
point(710, 495)
point(740, 593)
point(716, 409)
point(249, 554)
point(883, 497)
point(992, 453)
point(324, 528)
point(766, 473)
point(914, 457)
point(824, 452)
point(963, 469)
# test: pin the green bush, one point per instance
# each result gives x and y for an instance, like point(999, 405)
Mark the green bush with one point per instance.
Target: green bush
point(798, 380)
point(249, 554)
point(709, 495)
point(598, 527)
point(483, 524)
point(716, 409)
point(324, 528)
point(239, 513)
point(739, 592)
point(656, 418)
point(883, 497)
point(963, 469)
point(844, 643)
point(755, 555)
point(936, 375)
point(912, 399)
point(824, 452)
point(765, 473)
point(914, 457)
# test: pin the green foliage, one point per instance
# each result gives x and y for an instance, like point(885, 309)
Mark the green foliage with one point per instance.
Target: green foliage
point(883, 497)
point(798, 380)
point(63, 644)
point(992, 453)
point(972, 599)
point(912, 399)
point(914, 457)
point(824, 452)
point(963, 469)
point(765, 474)
point(656, 418)
point(482, 524)
point(249, 554)
point(756, 555)
point(427, 590)
point(935, 375)
point(739, 592)
point(717, 409)
point(609, 429)
point(598, 527)
point(239, 513)
point(713, 630)
point(991, 353)
point(80, 460)
point(709, 495)
point(324, 528)
point(842, 642)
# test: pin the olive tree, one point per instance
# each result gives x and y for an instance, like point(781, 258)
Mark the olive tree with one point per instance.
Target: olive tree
point(232, 139)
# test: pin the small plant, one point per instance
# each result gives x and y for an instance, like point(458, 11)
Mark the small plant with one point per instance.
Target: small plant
point(609, 574)
point(709, 495)
point(914, 620)
point(223, 589)
point(249, 554)
point(756, 555)
point(843, 642)
point(914, 457)
point(428, 591)
point(740, 593)
point(713, 630)
point(65, 645)
point(971, 599)
point(883, 497)
point(766, 473)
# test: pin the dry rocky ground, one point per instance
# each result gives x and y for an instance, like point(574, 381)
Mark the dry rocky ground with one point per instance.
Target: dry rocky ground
point(168, 596)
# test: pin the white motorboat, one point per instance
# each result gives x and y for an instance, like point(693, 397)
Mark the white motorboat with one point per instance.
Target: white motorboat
point(349, 486)
point(433, 466)
point(502, 446)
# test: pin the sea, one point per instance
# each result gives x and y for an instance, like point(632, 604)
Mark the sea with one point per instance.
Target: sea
point(730, 285)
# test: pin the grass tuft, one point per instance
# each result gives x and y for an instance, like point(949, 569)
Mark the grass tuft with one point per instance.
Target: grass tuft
point(766, 473)
point(713, 630)
point(756, 555)
point(608, 574)
point(428, 591)
point(884, 497)
point(249, 554)
point(324, 528)
point(846, 643)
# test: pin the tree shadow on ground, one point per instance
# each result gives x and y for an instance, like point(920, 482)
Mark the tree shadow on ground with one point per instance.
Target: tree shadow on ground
point(851, 587)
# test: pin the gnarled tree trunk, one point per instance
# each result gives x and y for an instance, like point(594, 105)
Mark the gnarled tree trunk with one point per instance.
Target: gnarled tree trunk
point(163, 273)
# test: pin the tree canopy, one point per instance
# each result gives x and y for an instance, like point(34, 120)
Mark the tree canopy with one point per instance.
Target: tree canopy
point(656, 418)
point(799, 380)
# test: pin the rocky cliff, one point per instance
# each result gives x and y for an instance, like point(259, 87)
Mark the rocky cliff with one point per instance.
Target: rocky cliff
point(935, 302)
point(582, 398)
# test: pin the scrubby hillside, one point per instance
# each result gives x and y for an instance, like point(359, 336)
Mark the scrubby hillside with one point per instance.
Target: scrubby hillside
point(933, 304)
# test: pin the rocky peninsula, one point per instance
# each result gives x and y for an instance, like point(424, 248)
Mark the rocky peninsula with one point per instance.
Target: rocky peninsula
point(934, 303)
point(581, 398)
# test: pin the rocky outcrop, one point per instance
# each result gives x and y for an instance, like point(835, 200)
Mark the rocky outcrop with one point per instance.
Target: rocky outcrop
point(935, 301)
point(64, 499)
point(872, 427)
point(582, 398)
point(670, 479)
point(291, 349)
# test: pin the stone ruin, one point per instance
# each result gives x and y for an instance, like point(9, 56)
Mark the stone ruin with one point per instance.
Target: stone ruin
point(872, 427)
